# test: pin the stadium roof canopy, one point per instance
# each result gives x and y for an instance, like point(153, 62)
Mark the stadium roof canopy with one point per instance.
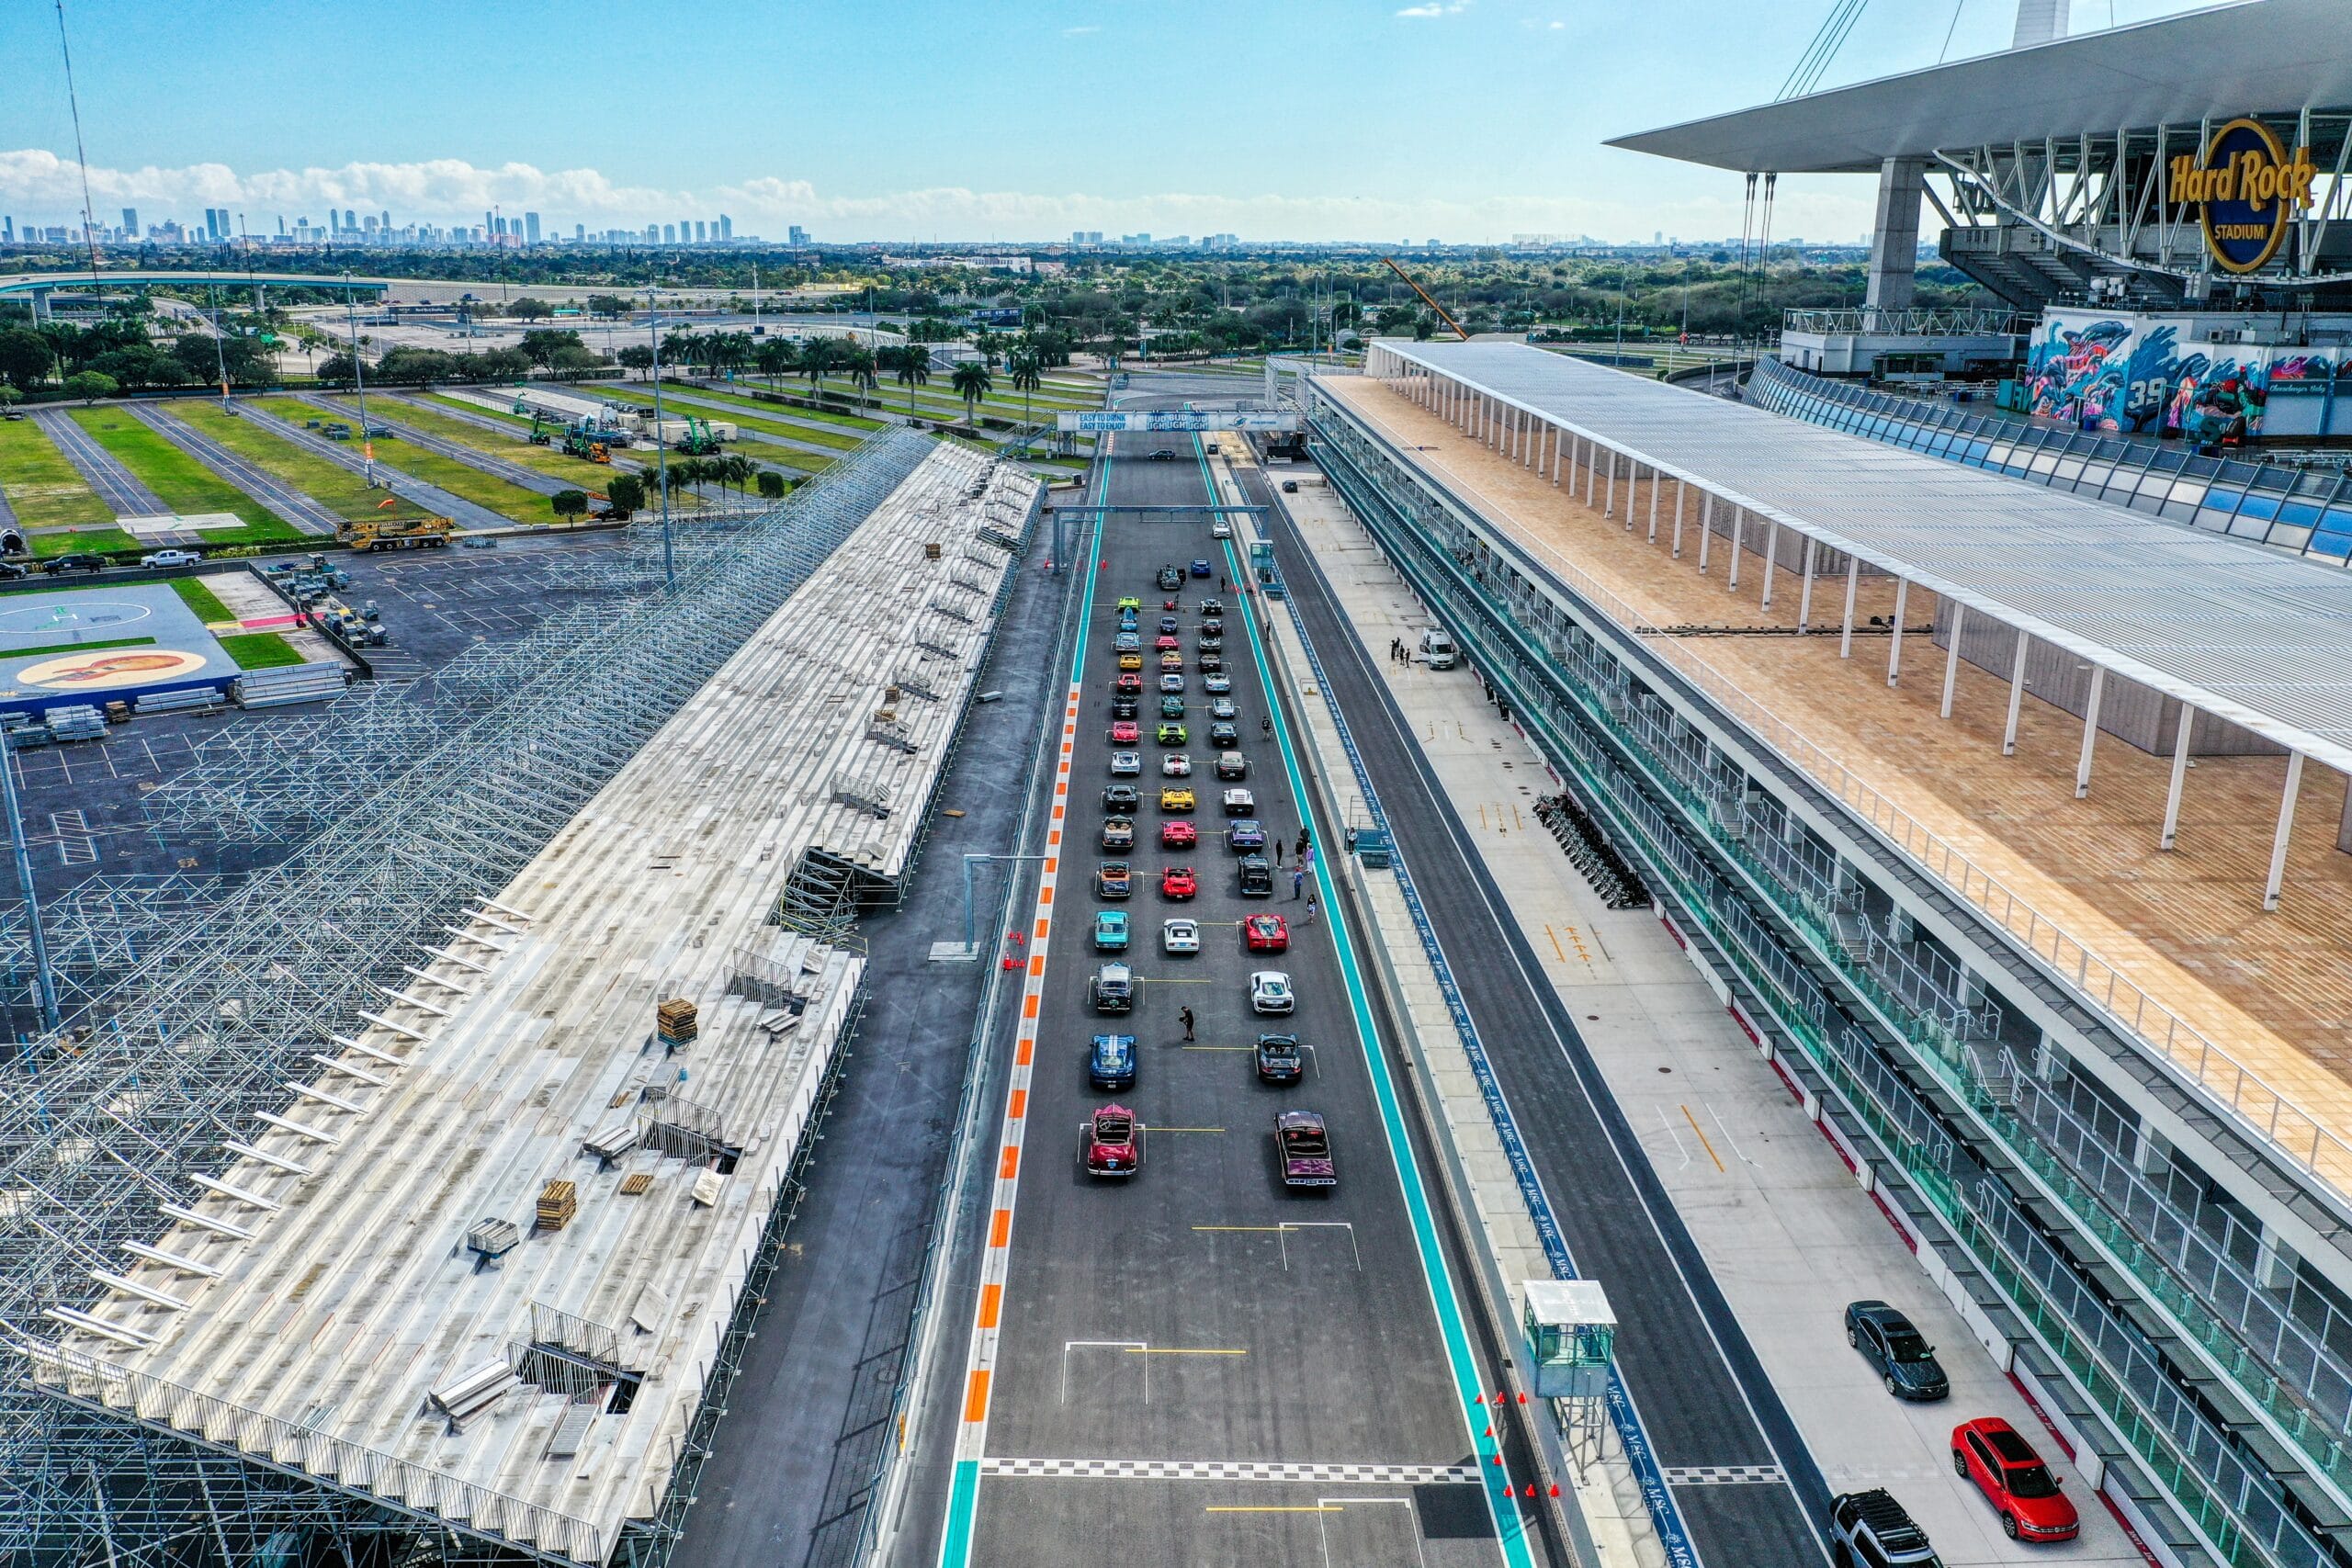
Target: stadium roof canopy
point(2261, 639)
point(2255, 57)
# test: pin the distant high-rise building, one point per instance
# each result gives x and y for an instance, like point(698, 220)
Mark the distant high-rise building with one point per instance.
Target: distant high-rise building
point(726, 227)
point(350, 219)
point(530, 228)
point(698, 234)
point(796, 235)
point(131, 222)
point(578, 233)
point(369, 223)
point(669, 233)
point(1658, 238)
point(387, 220)
point(652, 234)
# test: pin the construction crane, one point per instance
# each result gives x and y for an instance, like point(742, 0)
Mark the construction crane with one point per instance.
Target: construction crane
point(1424, 293)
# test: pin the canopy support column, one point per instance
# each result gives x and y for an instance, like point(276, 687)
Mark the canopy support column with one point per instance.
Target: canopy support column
point(1853, 580)
point(2017, 696)
point(1738, 516)
point(1679, 488)
point(2270, 889)
point(1655, 479)
point(1706, 527)
point(1952, 658)
point(1804, 596)
point(2090, 731)
point(1895, 644)
point(2187, 723)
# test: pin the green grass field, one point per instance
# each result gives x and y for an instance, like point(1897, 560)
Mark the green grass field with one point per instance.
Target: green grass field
point(44, 490)
point(184, 484)
point(111, 539)
point(201, 600)
point(785, 386)
point(258, 650)
point(740, 412)
point(544, 460)
point(332, 486)
point(471, 484)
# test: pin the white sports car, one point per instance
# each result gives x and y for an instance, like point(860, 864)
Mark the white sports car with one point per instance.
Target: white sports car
point(1179, 935)
point(1269, 992)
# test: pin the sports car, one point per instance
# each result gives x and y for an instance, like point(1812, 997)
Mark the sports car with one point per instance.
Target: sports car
point(1266, 933)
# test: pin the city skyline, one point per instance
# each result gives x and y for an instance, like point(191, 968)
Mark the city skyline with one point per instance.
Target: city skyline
point(1527, 86)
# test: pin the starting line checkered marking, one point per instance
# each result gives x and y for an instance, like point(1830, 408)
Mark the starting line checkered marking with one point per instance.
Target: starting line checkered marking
point(1236, 1469)
point(1725, 1475)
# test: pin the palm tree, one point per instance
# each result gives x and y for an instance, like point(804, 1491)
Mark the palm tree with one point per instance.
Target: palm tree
point(773, 358)
point(972, 382)
point(912, 365)
point(817, 356)
point(858, 365)
point(1026, 378)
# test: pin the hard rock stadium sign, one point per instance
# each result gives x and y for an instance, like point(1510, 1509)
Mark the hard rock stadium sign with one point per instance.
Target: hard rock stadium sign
point(2247, 187)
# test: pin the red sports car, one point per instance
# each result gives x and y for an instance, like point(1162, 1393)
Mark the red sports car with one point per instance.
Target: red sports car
point(1178, 882)
point(1129, 683)
point(1126, 732)
point(1178, 835)
point(2014, 1480)
point(1165, 643)
point(1112, 1142)
point(1266, 933)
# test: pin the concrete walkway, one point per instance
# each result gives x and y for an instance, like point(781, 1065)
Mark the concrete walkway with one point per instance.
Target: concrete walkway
point(1785, 1230)
point(432, 498)
point(282, 500)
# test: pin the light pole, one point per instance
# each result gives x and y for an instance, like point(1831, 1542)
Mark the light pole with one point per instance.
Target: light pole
point(660, 446)
point(220, 354)
point(359, 386)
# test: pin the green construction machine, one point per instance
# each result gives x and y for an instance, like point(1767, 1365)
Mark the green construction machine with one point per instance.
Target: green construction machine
point(697, 442)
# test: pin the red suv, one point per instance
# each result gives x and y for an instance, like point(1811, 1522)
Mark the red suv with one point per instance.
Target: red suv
point(2014, 1480)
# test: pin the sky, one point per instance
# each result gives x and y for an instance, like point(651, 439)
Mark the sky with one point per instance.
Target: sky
point(1464, 120)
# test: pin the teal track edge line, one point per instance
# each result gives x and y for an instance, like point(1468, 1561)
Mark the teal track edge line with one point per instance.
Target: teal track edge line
point(964, 1489)
point(1510, 1530)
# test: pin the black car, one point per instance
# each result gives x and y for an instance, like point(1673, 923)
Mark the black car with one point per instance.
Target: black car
point(1212, 626)
point(1212, 642)
point(1114, 989)
point(1257, 877)
point(1125, 707)
point(1163, 454)
point(1212, 608)
point(1279, 1059)
point(1114, 879)
point(1223, 735)
point(1121, 798)
point(1170, 578)
point(1210, 663)
point(57, 566)
point(12, 569)
point(1905, 1361)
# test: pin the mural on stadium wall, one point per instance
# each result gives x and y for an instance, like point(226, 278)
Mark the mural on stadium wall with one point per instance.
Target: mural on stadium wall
point(2134, 374)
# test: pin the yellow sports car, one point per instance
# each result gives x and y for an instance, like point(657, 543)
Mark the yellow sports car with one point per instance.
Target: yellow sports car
point(1176, 800)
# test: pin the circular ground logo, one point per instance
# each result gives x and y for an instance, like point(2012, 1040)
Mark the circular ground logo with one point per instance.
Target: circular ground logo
point(104, 669)
point(2251, 195)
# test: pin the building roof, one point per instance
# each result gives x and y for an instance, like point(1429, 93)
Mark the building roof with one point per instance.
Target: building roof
point(2251, 57)
point(2261, 639)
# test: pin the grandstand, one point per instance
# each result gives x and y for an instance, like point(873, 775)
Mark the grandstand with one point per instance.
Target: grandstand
point(452, 1251)
point(2069, 970)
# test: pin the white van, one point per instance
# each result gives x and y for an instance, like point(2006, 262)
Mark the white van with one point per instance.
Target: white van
point(1438, 651)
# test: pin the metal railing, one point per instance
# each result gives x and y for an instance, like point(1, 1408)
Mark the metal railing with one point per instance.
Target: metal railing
point(2236, 1090)
point(1871, 320)
point(183, 1412)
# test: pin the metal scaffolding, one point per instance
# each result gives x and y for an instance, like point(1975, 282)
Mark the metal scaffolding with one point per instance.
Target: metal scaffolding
point(396, 819)
point(98, 934)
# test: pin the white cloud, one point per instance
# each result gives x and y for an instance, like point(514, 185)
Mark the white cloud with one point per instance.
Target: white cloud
point(38, 184)
point(1080, 32)
point(1448, 8)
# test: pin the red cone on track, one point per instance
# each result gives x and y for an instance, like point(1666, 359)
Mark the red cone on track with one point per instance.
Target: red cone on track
point(1499, 1459)
point(1523, 1399)
point(1531, 1489)
point(1480, 1400)
point(1490, 1431)
point(1555, 1489)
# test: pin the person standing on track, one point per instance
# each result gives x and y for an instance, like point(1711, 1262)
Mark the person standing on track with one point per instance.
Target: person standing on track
point(1184, 1016)
point(1310, 911)
point(1297, 881)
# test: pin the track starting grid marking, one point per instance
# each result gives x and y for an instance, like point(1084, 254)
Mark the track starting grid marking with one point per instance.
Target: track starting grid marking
point(1724, 1475)
point(1235, 1470)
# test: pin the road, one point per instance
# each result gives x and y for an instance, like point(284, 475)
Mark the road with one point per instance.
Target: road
point(345, 453)
point(514, 474)
point(1200, 1365)
point(283, 499)
point(116, 485)
point(1702, 1396)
